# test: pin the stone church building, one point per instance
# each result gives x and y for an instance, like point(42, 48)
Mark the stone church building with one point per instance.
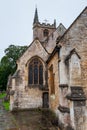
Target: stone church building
point(52, 72)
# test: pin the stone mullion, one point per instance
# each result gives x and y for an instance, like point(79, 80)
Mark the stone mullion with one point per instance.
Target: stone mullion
point(38, 74)
point(33, 73)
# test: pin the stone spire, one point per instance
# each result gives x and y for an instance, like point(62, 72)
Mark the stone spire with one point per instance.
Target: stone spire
point(55, 23)
point(36, 17)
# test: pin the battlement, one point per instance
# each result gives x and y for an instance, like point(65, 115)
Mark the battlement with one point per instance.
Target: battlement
point(42, 30)
point(44, 25)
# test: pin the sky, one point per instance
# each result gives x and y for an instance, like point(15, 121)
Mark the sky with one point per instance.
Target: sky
point(16, 18)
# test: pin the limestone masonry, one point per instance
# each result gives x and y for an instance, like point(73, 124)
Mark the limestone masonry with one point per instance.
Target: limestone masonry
point(52, 72)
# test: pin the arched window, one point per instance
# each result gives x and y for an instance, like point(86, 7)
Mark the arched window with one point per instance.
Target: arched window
point(35, 72)
point(45, 33)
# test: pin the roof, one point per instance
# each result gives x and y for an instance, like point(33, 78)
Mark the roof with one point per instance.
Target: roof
point(70, 54)
point(16, 74)
point(72, 24)
point(30, 45)
point(56, 49)
point(55, 31)
point(36, 20)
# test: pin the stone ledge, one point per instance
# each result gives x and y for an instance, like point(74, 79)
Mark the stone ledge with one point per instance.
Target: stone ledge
point(69, 97)
point(40, 87)
point(63, 109)
point(63, 85)
point(77, 94)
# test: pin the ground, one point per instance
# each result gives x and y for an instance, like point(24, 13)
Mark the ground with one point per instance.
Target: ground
point(25, 120)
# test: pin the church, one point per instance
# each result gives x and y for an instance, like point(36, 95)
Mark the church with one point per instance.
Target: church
point(52, 72)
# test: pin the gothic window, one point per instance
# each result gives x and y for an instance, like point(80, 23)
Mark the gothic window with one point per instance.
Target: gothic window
point(35, 72)
point(45, 33)
point(40, 74)
point(30, 74)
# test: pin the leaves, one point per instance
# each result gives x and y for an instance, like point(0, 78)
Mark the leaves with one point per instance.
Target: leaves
point(8, 63)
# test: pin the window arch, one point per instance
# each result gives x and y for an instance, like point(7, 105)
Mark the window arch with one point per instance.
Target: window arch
point(35, 72)
point(45, 33)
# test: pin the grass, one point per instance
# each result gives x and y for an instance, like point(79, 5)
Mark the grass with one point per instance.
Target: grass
point(6, 104)
point(2, 95)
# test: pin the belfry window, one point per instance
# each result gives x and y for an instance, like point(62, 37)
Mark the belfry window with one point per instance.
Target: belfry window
point(35, 72)
point(45, 33)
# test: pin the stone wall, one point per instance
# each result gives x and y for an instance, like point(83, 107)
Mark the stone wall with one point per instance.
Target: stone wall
point(38, 31)
point(50, 43)
point(25, 95)
point(75, 38)
point(30, 98)
point(25, 99)
point(54, 98)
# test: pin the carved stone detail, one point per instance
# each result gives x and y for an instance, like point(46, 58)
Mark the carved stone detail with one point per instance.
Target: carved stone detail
point(79, 103)
point(77, 94)
point(64, 109)
point(63, 85)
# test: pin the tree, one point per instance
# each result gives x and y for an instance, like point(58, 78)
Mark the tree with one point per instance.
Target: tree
point(8, 63)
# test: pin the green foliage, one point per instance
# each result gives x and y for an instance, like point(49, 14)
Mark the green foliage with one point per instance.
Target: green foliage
point(6, 105)
point(8, 63)
point(2, 95)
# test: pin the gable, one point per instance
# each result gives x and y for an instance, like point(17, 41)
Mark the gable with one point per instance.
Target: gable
point(75, 37)
point(82, 16)
point(50, 42)
point(35, 49)
point(72, 52)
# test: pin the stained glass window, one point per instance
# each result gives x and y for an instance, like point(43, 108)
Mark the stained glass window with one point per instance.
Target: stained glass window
point(30, 74)
point(35, 72)
point(40, 74)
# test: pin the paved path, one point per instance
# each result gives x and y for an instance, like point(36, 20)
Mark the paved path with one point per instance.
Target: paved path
point(24, 120)
point(7, 121)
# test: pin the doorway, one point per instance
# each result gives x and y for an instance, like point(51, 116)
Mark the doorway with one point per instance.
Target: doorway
point(45, 100)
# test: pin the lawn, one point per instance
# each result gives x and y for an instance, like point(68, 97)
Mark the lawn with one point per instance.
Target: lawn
point(5, 103)
point(2, 95)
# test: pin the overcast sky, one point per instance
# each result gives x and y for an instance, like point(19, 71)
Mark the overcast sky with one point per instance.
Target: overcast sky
point(16, 18)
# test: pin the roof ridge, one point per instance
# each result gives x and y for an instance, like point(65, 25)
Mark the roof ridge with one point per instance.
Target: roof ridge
point(72, 24)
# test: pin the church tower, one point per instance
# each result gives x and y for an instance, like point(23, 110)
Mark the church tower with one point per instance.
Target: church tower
point(42, 30)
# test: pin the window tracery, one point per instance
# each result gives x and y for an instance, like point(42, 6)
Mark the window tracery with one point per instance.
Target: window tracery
point(36, 72)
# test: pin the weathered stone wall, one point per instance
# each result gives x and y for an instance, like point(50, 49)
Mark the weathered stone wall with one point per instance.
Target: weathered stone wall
point(25, 99)
point(70, 79)
point(38, 31)
point(35, 49)
point(50, 43)
point(27, 96)
point(74, 71)
point(30, 98)
point(76, 37)
point(54, 98)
